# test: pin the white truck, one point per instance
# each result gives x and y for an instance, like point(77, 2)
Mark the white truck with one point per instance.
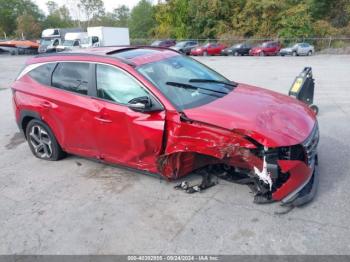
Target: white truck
point(106, 36)
point(72, 41)
point(52, 37)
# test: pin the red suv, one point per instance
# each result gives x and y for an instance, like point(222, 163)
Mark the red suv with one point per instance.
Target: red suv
point(208, 49)
point(160, 112)
point(266, 48)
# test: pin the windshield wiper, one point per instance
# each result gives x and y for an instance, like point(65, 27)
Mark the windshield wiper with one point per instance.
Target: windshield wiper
point(188, 86)
point(231, 83)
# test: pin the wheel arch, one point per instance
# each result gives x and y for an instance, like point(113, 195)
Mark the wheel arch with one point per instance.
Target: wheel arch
point(25, 117)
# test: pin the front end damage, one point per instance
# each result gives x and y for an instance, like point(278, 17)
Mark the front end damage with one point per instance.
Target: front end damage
point(286, 174)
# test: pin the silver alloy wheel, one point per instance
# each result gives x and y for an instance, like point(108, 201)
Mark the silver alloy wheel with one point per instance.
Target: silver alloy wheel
point(41, 141)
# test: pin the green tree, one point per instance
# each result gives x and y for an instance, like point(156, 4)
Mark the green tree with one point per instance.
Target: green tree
point(92, 8)
point(57, 17)
point(295, 22)
point(11, 10)
point(28, 27)
point(142, 21)
point(121, 15)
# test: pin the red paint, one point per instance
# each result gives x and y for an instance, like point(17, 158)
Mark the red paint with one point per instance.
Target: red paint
point(270, 118)
point(209, 49)
point(266, 48)
point(299, 173)
point(164, 142)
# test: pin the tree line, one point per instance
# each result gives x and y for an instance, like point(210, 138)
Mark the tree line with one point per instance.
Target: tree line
point(185, 19)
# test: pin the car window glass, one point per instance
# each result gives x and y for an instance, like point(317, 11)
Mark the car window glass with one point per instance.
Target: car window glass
point(115, 85)
point(71, 76)
point(42, 74)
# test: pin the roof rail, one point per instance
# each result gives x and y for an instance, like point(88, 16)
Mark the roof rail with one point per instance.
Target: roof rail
point(120, 59)
point(120, 50)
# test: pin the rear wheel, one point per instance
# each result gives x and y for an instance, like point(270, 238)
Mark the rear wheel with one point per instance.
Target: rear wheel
point(42, 141)
point(262, 53)
point(309, 53)
point(205, 53)
point(236, 53)
point(294, 53)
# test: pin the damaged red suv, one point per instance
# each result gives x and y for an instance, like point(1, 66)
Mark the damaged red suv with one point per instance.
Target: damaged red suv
point(160, 112)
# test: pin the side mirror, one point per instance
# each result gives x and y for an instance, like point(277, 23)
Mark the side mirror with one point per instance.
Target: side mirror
point(140, 104)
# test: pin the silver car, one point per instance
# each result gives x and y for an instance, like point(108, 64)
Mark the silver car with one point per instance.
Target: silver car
point(298, 49)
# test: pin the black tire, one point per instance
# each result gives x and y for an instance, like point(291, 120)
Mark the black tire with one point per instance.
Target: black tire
point(309, 53)
point(42, 141)
point(205, 53)
point(236, 53)
point(294, 53)
point(262, 53)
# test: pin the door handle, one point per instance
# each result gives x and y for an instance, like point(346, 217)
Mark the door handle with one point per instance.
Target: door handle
point(103, 120)
point(46, 104)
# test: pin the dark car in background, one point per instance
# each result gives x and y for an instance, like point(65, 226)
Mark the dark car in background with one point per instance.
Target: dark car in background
point(164, 43)
point(266, 48)
point(185, 47)
point(298, 49)
point(208, 49)
point(237, 49)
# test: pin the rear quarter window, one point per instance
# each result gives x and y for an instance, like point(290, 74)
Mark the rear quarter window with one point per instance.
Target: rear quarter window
point(72, 76)
point(42, 74)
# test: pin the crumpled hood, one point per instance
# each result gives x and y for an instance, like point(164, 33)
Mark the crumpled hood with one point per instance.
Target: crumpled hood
point(272, 119)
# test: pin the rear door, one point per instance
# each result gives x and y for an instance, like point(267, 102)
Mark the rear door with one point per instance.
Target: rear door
point(125, 136)
point(68, 108)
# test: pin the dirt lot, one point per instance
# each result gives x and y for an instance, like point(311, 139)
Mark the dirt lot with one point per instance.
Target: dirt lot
point(78, 206)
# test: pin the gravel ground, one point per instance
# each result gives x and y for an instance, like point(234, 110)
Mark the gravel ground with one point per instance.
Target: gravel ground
point(79, 206)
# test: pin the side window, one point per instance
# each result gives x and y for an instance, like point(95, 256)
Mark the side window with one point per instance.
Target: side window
point(72, 76)
point(115, 85)
point(42, 74)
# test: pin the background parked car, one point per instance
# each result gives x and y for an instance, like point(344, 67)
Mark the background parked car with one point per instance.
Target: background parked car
point(298, 49)
point(208, 49)
point(266, 48)
point(185, 46)
point(164, 43)
point(238, 49)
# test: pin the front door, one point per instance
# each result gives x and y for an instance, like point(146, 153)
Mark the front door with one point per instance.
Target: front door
point(125, 136)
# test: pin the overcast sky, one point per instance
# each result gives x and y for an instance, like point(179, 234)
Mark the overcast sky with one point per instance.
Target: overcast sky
point(109, 4)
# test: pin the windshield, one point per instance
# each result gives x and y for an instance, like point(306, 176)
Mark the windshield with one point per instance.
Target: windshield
point(68, 42)
point(186, 82)
point(155, 43)
point(45, 42)
point(180, 44)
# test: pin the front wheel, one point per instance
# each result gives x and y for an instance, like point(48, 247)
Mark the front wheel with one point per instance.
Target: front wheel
point(236, 53)
point(294, 53)
point(309, 53)
point(261, 53)
point(42, 141)
point(205, 53)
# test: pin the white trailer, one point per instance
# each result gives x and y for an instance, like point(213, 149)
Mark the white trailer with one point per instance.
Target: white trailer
point(108, 36)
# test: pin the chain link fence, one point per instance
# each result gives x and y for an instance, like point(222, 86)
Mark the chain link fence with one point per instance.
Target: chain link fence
point(323, 45)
